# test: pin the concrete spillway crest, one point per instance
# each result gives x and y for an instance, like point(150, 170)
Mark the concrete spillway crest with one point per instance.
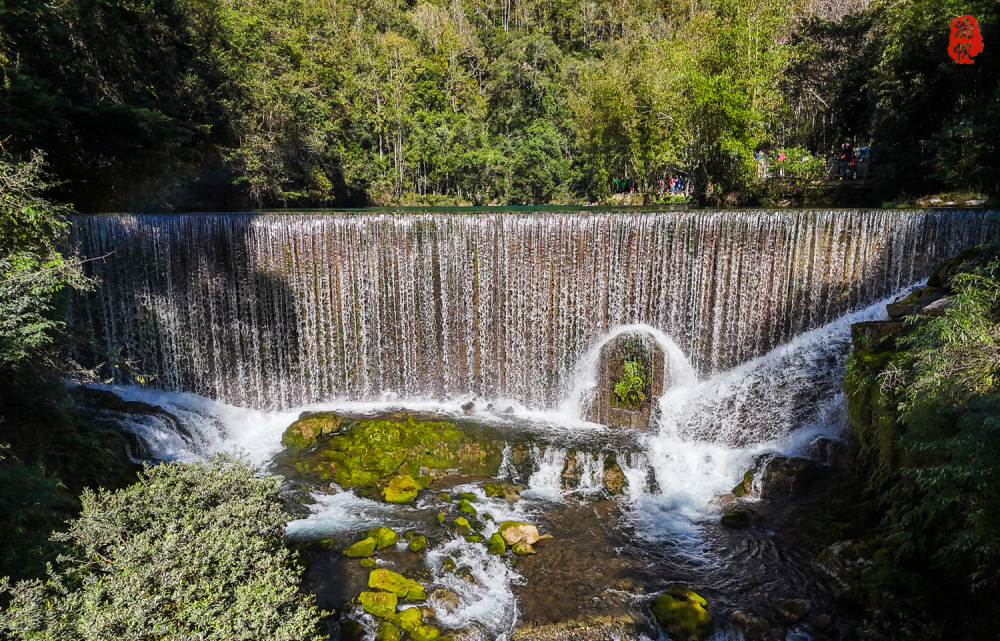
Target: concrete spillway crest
point(630, 382)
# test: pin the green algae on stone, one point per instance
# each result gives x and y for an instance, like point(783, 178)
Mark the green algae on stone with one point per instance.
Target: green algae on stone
point(444, 497)
point(398, 584)
point(365, 453)
point(425, 633)
point(466, 496)
point(475, 538)
point(440, 517)
point(401, 489)
point(388, 632)
point(681, 613)
point(409, 619)
point(522, 548)
point(368, 563)
point(496, 545)
point(465, 506)
point(493, 491)
point(380, 604)
point(418, 543)
point(462, 525)
point(385, 536)
point(448, 565)
point(744, 486)
point(364, 547)
point(303, 432)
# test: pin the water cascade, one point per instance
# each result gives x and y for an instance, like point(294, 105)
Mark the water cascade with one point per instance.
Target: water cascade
point(276, 310)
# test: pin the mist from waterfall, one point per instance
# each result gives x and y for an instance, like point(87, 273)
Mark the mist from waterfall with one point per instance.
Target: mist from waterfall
point(278, 310)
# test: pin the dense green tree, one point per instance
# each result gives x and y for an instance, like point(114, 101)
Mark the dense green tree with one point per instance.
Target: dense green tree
point(191, 551)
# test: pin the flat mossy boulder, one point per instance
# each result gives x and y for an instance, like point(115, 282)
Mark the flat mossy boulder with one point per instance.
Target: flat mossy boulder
point(380, 604)
point(398, 584)
point(514, 531)
point(465, 506)
point(305, 431)
point(364, 547)
point(681, 613)
point(384, 537)
point(401, 489)
point(368, 452)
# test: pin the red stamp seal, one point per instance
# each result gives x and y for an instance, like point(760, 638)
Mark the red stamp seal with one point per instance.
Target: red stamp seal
point(966, 42)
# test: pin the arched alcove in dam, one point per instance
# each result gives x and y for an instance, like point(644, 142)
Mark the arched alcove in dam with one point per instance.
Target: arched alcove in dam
point(630, 379)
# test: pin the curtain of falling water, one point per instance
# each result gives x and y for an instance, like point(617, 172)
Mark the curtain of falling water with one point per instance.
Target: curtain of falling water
point(270, 310)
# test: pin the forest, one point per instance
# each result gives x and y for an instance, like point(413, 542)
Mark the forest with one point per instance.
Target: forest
point(173, 105)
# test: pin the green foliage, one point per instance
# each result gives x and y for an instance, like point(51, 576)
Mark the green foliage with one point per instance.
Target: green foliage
point(192, 550)
point(32, 270)
point(631, 389)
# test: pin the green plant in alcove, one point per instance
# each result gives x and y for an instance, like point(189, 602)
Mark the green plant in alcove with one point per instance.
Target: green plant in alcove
point(630, 390)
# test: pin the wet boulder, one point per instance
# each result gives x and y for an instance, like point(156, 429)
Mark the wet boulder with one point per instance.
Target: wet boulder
point(380, 604)
point(418, 543)
point(785, 477)
point(753, 626)
point(388, 632)
point(384, 537)
point(681, 613)
point(793, 610)
point(514, 531)
point(401, 489)
point(364, 547)
point(398, 584)
point(521, 548)
point(736, 519)
point(496, 545)
point(309, 427)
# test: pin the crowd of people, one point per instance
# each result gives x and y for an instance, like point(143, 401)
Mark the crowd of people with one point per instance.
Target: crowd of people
point(847, 163)
point(675, 186)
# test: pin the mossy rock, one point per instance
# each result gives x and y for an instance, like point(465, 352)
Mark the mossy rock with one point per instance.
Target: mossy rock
point(681, 613)
point(448, 564)
point(401, 489)
point(793, 610)
point(514, 531)
point(444, 497)
point(496, 545)
point(364, 547)
point(365, 453)
point(385, 536)
point(440, 517)
point(493, 491)
point(398, 584)
point(745, 485)
point(475, 538)
point(380, 604)
point(418, 543)
point(465, 506)
point(388, 632)
point(304, 432)
point(368, 563)
point(466, 496)
point(521, 548)
point(462, 525)
point(409, 619)
point(425, 633)
point(736, 519)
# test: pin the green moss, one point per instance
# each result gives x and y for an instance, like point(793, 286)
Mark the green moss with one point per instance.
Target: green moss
point(368, 563)
point(409, 619)
point(462, 525)
point(384, 536)
point(466, 496)
point(444, 497)
point(364, 547)
point(448, 565)
point(401, 489)
point(440, 517)
point(493, 491)
point(681, 613)
point(743, 488)
point(398, 584)
point(418, 543)
point(522, 548)
point(465, 506)
point(367, 453)
point(425, 633)
point(475, 538)
point(380, 604)
point(496, 545)
point(388, 632)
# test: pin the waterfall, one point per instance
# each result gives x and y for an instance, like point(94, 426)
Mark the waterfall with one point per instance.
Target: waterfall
point(276, 310)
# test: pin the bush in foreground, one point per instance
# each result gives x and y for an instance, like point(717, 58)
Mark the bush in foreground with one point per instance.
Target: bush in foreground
point(192, 551)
